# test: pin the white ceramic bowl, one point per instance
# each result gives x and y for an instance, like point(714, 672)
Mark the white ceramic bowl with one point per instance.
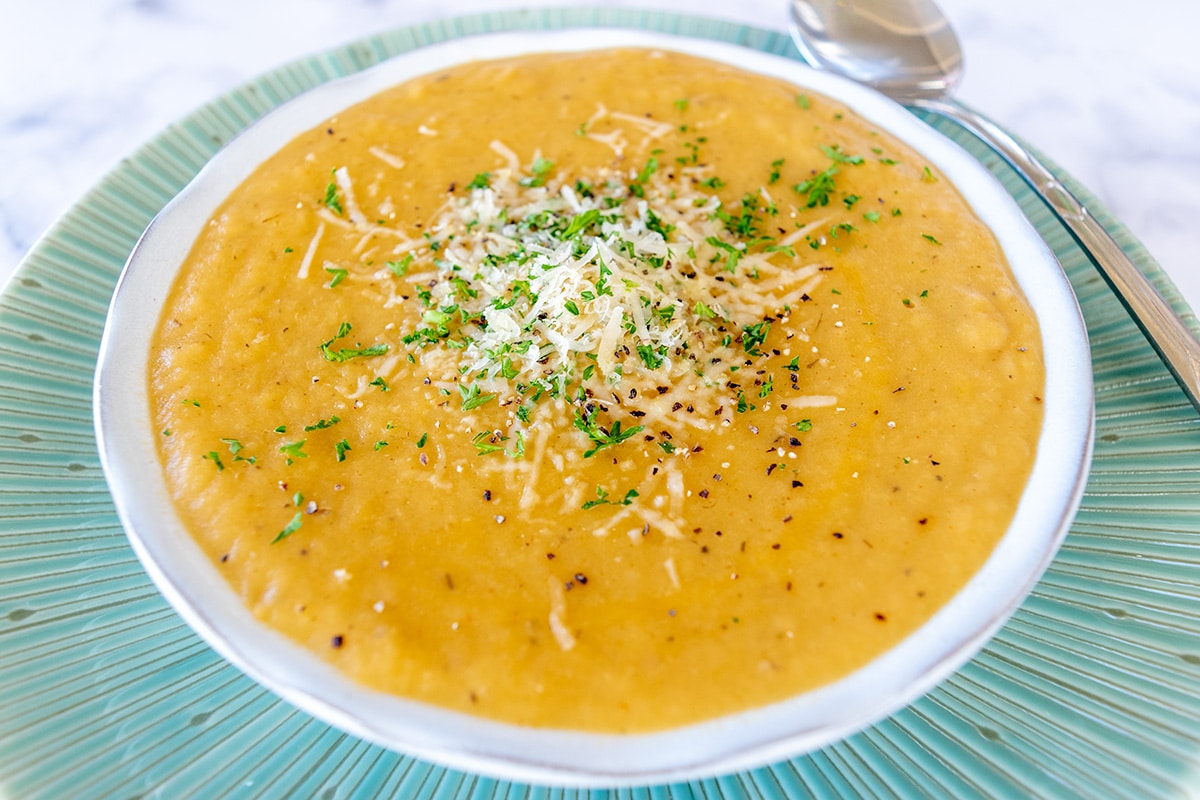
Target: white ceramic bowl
point(753, 738)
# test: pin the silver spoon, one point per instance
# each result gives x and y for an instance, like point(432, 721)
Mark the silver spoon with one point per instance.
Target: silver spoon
point(907, 50)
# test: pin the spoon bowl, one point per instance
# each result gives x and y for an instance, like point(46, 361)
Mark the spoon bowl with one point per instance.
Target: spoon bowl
point(905, 49)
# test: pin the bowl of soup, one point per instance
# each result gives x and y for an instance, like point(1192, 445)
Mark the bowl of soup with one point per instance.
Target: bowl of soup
point(594, 407)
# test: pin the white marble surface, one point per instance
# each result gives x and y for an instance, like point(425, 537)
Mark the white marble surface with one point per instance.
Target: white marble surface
point(1109, 92)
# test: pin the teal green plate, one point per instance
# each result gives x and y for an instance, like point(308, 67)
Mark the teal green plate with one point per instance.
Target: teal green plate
point(1091, 690)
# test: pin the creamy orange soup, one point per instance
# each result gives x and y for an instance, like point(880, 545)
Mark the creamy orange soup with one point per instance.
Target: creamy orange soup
point(608, 391)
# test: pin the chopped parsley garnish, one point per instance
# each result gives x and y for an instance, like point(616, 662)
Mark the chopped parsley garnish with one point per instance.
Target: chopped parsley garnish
point(580, 222)
point(602, 499)
point(818, 188)
point(293, 450)
point(332, 201)
point(838, 156)
point(540, 170)
point(753, 336)
point(652, 357)
point(486, 442)
point(776, 171)
point(290, 528)
point(400, 267)
point(601, 438)
point(472, 397)
point(347, 353)
point(236, 448)
point(338, 274)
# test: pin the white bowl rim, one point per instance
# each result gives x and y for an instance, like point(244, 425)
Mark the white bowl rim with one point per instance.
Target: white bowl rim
point(749, 739)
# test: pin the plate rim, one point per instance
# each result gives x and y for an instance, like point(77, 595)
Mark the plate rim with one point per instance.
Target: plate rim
point(37, 270)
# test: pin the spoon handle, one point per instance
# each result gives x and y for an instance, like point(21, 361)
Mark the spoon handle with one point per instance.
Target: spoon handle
point(1175, 343)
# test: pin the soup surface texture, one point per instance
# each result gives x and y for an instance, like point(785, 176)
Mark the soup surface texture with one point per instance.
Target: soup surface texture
point(608, 391)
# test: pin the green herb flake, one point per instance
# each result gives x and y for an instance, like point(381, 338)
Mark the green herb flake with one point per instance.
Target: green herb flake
point(817, 188)
point(332, 201)
point(290, 528)
point(481, 181)
point(486, 442)
point(472, 398)
point(424, 438)
point(381, 383)
point(540, 169)
point(581, 222)
point(753, 336)
point(347, 353)
point(400, 268)
point(803, 425)
point(776, 171)
point(871, 216)
point(932, 239)
point(839, 156)
point(599, 437)
point(341, 448)
point(215, 457)
point(235, 448)
point(803, 101)
point(294, 450)
point(602, 499)
point(338, 274)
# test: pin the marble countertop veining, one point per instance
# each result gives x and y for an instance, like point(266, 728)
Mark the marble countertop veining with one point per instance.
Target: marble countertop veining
point(1110, 94)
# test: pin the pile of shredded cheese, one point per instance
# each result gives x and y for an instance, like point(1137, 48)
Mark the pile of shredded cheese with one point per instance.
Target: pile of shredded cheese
point(602, 289)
